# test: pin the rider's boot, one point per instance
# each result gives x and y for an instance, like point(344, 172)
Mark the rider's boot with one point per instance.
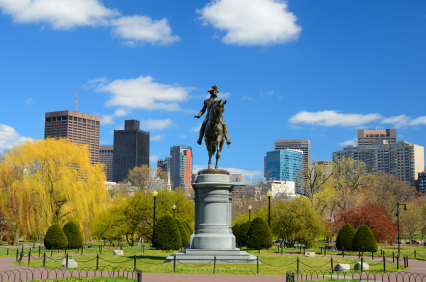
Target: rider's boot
point(202, 129)
point(226, 133)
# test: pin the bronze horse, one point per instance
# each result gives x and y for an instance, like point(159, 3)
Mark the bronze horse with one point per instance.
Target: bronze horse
point(214, 137)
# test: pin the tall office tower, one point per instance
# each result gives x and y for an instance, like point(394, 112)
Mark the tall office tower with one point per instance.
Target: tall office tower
point(79, 128)
point(162, 164)
point(285, 165)
point(367, 136)
point(168, 161)
point(131, 149)
point(299, 144)
point(403, 159)
point(181, 167)
point(328, 166)
point(421, 182)
point(106, 156)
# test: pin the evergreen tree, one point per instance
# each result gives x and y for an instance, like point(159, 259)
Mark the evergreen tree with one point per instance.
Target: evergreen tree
point(55, 237)
point(364, 240)
point(259, 234)
point(235, 231)
point(166, 234)
point(182, 231)
point(73, 234)
point(345, 237)
point(189, 227)
point(242, 232)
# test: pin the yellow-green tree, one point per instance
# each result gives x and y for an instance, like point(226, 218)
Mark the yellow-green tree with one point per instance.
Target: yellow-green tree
point(412, 218)
point(108, 224)
point(50, 181)
point(147, 178)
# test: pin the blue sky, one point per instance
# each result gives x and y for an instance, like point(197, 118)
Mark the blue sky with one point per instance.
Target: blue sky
point(316, 70)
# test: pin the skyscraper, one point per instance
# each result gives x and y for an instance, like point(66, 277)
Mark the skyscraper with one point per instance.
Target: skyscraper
point(106, 156)
point(131, 149)
point(79, 128)
point(403, 159)
point(285, 165)
point(367, 136)
point(181, 167)
point(162, 164)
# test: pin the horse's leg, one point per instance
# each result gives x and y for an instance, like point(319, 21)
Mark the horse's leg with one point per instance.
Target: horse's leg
point(219, 141)
point(209, 149)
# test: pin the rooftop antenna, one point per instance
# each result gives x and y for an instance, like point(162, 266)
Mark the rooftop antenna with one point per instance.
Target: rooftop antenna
point(76, 103)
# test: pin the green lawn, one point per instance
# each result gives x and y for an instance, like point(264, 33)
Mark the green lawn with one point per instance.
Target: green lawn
point(154, 263)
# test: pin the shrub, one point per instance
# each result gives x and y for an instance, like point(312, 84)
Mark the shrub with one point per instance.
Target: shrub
point(235, 230)
point(259, 234)
point(74, 237)
point(345, 237)
point(189, 227)
point(182, 231)
point(242, 233)
point(55, 237)
point(166, 233)
point(364, 239)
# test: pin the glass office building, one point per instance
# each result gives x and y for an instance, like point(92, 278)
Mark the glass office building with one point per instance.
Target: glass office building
point(285, 165)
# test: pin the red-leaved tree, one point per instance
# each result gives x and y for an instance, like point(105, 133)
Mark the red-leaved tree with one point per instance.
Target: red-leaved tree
point(374, 216)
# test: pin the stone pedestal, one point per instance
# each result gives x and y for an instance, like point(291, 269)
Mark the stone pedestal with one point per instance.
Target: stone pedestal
point(213, 214)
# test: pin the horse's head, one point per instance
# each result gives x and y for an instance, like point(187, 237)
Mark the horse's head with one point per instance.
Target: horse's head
point(216, 110)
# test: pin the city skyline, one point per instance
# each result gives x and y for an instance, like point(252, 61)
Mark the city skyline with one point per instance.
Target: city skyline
point(322, 75)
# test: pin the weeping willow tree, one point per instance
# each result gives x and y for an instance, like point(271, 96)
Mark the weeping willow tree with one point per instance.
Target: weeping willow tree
point(50, 181)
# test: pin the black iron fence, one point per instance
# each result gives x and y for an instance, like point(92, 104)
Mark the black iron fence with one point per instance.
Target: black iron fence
point(314, 275)
point(29, 274)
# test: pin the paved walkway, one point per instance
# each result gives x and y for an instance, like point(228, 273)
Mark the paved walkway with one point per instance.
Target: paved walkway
point(416, 267)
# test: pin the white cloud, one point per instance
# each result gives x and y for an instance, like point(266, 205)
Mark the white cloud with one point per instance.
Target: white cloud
point(60, 14)
point(153, 159)
point(398, 121)
point(400, 136)
point(157, 138)
point(188, 111)
point(183, 136)
point(9, 137)
point(232, 170)
point(353, 141)
point(267, 93)
point(245, 97)
point(142, 29)
point(104, 142)
point(144, 93)
point(159, 124)
point(419, 120)
point(333, 118)
point(223, 95)
point(252, 22)
point(30, 101)
point(108, 119)
point(196, 128)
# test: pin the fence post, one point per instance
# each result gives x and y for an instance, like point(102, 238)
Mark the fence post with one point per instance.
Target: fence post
point(66, 261)
point(372, 254)
point(257, 264)
point(139, 275)
point(17, 254)
point(97, 261)
point(214, 265)
point(397, 262)
point(121, 247)
point(39, 251)
point(29, 257)
point(393, 257)
point(343, 251)
point(174, 264)
point(332, 268)
point(135, 263)
point(297, 265)
point(325, 251)
point(415, 254)
point(384, 263)
point(362, 264)
point(7, 251)
point(44, 260)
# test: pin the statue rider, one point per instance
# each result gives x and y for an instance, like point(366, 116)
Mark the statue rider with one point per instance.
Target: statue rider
point(213, 92)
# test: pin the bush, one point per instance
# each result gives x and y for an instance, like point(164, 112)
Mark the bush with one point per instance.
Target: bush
point(345, 237)
point(364, 240)
point(259, 234)
point(166, 234)
point(74, 237)
point(242, 233)
point(55, 237)
point(235, 230)
point(182, 231)
point(189, 227)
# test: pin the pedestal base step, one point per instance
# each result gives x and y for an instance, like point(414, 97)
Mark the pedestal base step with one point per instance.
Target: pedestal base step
point(206, 256)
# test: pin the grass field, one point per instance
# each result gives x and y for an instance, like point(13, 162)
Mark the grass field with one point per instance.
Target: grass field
point(154, 263)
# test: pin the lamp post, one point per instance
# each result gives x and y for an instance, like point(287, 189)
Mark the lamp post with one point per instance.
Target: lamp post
point(269, 195)
point(249, 212)
point(174, 209)
point(155, 194)
point(397, 214)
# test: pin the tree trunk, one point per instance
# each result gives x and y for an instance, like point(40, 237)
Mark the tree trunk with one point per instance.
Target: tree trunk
point(1, 240)
point(16, 239)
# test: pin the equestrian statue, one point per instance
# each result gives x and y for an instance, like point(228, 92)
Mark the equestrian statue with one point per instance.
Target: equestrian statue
point(214, 128)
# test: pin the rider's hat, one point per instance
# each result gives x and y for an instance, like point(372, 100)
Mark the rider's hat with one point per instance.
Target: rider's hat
point(214, 87)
